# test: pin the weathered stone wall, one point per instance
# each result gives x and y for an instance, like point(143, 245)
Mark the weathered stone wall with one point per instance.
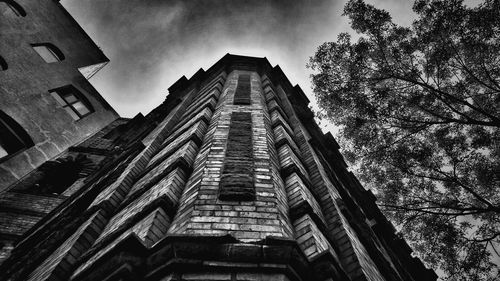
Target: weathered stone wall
point(25, 85)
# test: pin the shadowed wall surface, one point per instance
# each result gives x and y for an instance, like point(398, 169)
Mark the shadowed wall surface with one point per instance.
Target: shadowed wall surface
point(214, 188)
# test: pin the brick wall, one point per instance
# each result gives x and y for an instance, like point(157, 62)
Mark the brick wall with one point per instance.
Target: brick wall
point(213, 276)
point(228, 187)
point(56, 266)
point(353, 256)
point(202, 211)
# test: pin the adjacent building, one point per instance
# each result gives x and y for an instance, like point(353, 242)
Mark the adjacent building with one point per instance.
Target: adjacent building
point(47, 105)
point(229, 179)
point(46, 102)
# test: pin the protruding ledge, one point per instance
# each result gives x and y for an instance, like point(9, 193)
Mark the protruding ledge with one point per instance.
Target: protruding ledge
point(181, 254)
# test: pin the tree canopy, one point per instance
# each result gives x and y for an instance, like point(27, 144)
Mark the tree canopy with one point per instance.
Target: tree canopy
point(418, 109)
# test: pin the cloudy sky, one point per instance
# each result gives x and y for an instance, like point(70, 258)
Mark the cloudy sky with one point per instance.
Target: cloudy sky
point(152, 43)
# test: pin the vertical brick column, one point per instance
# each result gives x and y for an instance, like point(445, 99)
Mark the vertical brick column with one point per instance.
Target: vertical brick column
point(204, 208)
point(352, 255)
point(151, 186)
point(149, 229)
point(57, 265)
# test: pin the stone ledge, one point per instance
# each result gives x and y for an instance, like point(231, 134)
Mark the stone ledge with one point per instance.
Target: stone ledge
point(196, 136)
point(179, 163)
point(18, 268)
point(150, 229)
point(194, 108)
point(151, 175)
point(180, 253)
point(290, 163)
point(273, 105)
point(278, 119)
point(161, 202)
point(204, 113)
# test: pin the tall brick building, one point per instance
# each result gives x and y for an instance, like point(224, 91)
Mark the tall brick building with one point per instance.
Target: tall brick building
point(229, 179)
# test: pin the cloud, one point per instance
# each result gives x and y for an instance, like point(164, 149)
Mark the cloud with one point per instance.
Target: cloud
point(152, 43)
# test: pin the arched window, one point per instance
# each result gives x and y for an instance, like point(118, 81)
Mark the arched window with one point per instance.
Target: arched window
point(49, 52)
point(74, 102)
point(3, 64)
point(15, 7)
point(13, 138)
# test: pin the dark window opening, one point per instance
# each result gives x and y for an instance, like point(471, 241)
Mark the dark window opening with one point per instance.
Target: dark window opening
point(54, 177)
point(15, 7)
point(3, 64)
point(242, 93)
point(13, 138)
point(74, 102)
point(49, 52)
point(116, 132)
point(237, 181)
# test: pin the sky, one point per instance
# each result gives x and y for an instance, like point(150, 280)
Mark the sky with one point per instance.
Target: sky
point(152, 43)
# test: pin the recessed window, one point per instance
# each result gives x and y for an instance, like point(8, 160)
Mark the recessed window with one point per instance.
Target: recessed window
point(116, 132)
point(13, 138)
point(49, 52)
point(3, 64)
point(237, 180)
point(16, 8)
point(56, 176)
point(74, 102)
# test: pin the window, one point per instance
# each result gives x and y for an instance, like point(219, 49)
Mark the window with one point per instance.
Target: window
point(116, 132)
point(3, 64)
point(13, 138)
point(49, 52)
point(16, 8)
point(56, 176)
point(74, 102)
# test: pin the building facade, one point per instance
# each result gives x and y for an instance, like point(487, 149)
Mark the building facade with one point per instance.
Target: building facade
point(46, 102)
point(47, 105)
point(229, 179)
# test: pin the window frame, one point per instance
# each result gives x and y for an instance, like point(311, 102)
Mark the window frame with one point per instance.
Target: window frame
point(3, 64)
point(61, 96)
point(17, 9)
point(56, 177)
point(52, 49)
point(14, 131)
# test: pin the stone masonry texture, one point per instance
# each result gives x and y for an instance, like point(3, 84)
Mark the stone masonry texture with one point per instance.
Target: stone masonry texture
point(229, 179)
point(25, 86)
point(30, 187)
